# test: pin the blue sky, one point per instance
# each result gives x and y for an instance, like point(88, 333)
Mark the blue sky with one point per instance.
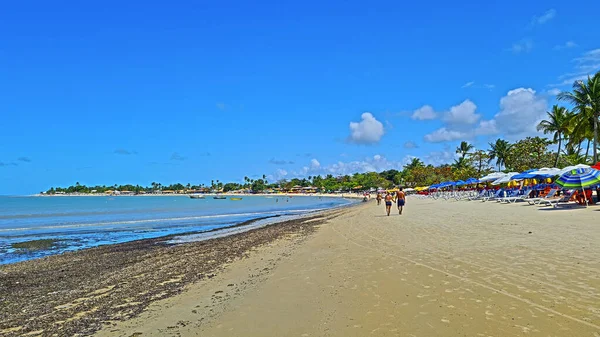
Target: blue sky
point(135, 92)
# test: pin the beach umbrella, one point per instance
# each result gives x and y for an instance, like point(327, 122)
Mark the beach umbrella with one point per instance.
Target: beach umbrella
point(505, 179)
point(597, 166)
point(547, 172)
point(524, 175)
point(460, 183)
point(571, 168)
point(491, 177)
point(579, 179)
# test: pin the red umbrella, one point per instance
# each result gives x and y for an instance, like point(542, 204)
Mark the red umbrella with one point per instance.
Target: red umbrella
point(597, 166)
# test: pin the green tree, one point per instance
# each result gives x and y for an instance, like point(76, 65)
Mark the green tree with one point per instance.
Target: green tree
point(558, 124)
point(585, 96)
point(499, 151)
point(528, 153)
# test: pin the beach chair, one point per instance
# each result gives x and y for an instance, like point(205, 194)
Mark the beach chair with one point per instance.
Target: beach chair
point(524, 195)
point(511, 194)
point(536, 201)
point(479, 196)
point(554, 202)
point(493, 197)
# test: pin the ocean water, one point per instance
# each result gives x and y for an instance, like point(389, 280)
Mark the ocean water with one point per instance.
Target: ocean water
point(83, 222)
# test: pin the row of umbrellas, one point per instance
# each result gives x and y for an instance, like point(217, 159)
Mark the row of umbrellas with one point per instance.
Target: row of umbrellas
point(577, 176)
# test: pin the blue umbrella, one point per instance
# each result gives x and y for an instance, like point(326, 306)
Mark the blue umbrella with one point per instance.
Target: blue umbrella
point(460, 183)
point(525, 175)
point(579, 178)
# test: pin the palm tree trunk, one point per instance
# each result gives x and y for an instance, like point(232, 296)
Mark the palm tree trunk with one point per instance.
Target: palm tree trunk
point(587, 150)
point(595, 139)
point(558, 152)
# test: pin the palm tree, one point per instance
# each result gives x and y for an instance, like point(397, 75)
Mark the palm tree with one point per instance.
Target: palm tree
point(460, 163)
point(414, 163)
point(586, 95)
point(464, 148)
point(558, 122)
point(499, 151)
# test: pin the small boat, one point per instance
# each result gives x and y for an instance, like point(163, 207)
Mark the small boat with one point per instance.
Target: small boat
point(219, 197)
point(196, 196)
point(235, 199)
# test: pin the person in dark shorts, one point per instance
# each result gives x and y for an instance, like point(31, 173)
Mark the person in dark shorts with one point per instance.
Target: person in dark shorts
point(401, 200)
point(388, 203)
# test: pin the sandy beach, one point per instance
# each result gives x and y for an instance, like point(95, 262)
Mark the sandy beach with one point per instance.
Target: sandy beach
point(441, 269)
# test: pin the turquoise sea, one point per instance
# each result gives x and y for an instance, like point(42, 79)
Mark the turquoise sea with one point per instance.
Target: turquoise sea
point(83, 222)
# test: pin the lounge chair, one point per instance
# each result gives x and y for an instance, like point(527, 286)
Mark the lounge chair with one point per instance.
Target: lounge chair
point(518, 197)
point(493, 197)
point(554, 202)
point(537, 201)
point(511, 194)
point(481, 195)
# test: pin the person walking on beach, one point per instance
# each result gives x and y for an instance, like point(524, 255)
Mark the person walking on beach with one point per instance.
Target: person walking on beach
point(379, 197)
point(401, 200)
point(388, 203)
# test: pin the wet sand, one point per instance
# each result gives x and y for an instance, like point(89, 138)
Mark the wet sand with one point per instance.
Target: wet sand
point(76, 293)
point(441, 269)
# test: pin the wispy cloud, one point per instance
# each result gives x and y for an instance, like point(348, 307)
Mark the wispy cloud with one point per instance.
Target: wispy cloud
point(280, 162)
point(177, 156)
point(566, 45)
point(221, 106)
point(523, 46)
point(24, 159)
point(586, 64)
point(3, 164)
point(410, 145)
point(473, 85)
point(544, 18)
point(124, 152)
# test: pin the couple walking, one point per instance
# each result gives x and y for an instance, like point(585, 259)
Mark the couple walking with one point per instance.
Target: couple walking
point(399, 198)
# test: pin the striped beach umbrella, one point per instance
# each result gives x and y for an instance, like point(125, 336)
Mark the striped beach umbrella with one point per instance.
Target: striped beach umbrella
point(579, 178)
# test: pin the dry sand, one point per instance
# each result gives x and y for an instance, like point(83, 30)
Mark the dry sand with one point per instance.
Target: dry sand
point(444, 268)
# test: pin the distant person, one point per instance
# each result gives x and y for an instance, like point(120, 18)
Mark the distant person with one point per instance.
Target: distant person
point(379, 197)
point(388, 203)
point(401, 200)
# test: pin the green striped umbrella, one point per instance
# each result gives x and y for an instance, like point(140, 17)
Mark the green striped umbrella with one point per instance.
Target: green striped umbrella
point(579, 178)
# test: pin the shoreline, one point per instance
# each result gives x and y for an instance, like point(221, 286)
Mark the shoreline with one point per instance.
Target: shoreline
point(288, 195)
point(116, 282)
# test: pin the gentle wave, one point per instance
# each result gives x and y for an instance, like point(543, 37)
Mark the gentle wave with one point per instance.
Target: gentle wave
point(130, 222)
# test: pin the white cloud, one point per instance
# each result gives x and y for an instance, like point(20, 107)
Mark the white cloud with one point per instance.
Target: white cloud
point(489, 86)
point(520, 112)
point(468, 84)
point(436, 158)
point(445, 135)
point(545, 17)
point(553, 92)
point(566, 45)
point(464, 113)
point(486, 128)
point(368, 131)
point(523, 46)
point(425, 112)
point(314, 164)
